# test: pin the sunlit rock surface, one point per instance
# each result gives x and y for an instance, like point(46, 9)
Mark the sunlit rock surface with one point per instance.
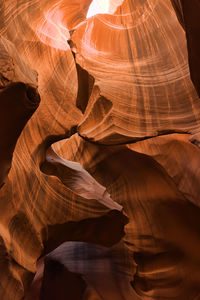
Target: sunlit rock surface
point(145, 75)
point(104, 82)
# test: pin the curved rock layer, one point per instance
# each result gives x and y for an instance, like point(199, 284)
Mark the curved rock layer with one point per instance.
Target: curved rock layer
point(138, 57)
point(163, 225)
point(128, 79)
point(29, 201)
point(179, 158)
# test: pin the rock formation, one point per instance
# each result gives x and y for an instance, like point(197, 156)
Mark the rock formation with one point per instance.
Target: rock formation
point(99, 151)
point(188, 15)
point(18, 101)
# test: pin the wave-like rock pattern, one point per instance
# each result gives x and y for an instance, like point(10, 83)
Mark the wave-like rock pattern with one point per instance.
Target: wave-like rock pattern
point(179, 158)
point(145, 75)
point(163, 225)
point(127, 80)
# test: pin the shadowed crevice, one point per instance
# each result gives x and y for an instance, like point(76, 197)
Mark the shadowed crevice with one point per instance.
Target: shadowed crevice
point(106, 230)
point(188, 13)
point(18, 103)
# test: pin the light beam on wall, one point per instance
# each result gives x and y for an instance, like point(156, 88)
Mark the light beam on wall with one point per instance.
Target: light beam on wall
point(52, 31)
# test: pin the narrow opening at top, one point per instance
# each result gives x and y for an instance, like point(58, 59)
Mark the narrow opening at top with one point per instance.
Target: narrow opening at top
point(103, 7)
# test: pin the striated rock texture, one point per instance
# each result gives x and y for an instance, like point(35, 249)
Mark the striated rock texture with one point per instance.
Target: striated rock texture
point(164, 226)
point(145, 76)
point(13, 68)
point(104, 181)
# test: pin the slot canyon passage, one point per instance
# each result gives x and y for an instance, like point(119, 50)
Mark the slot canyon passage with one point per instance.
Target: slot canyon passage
point(99, 149)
